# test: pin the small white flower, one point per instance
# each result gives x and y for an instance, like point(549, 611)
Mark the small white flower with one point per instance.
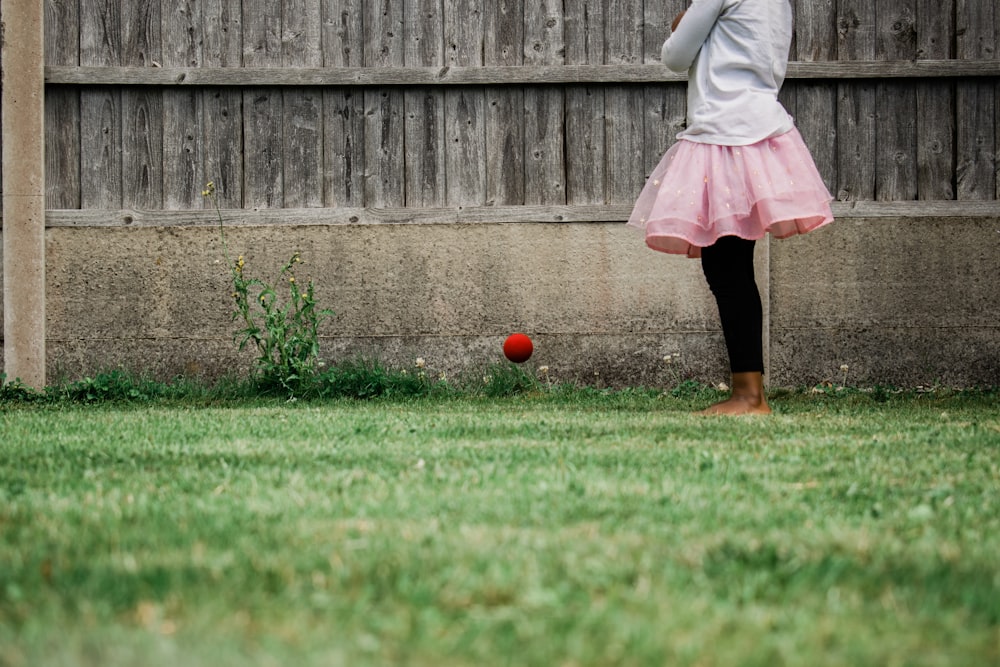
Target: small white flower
point(420, 362)
point(420, 464)
point(442, 377)
point(669, 359)
point(543, 370)
point(845, 368)
point(722, 386)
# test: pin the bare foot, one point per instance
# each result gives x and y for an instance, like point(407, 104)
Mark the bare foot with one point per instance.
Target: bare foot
point(738, 405)
point(747, 398)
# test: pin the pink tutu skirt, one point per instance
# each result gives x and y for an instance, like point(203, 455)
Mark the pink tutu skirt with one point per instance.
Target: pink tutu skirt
point(700, 192)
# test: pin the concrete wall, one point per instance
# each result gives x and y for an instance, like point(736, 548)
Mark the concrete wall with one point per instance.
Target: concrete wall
point(902, 302)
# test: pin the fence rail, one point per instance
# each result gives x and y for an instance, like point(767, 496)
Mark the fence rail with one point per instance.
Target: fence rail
point(509, 75)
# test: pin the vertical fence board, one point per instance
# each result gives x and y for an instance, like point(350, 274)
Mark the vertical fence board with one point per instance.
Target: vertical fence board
point(816, 103)
point(465, 109)
point(222, 121)
point(100, 107)
point(183, 115)
point(585, 105)
point(263, 135)
point(424, 121)
point(142, 110)
point(665, 105)
point(544, 107)
point(344, 117)
point(624, 103)
point(384, 127)
point(302, 108)
point(935, 104)
point(976, 103)
point(62, 107)
point(505, 25)
point(896, 103)
point(856, 138)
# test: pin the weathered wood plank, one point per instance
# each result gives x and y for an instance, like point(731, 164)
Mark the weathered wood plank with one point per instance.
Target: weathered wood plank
point(895, 104)
point(62, 107)
point(504, 45)
point(142, 109)
point(343, 33)
point(100, 107)
point(385, 183)
point(424, 122)
point(465, 76)
point(856, 138)
point(585, 105)
point(816, 103)
point(976, 141)
point(263, 131)
point(465, 109)
point(584, 32)
point(302, 109)
point(183, 115)
point(665, 104)
point(344, 108)
point(222, 134)
point(344, 156)
point(624, 122)
point(935, 104)
point(600, 214)
point(544, 107)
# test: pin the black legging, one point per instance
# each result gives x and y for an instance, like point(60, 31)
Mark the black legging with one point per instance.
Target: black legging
point(728, 267)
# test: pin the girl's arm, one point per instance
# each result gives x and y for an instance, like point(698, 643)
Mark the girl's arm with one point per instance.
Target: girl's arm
point(680, 50)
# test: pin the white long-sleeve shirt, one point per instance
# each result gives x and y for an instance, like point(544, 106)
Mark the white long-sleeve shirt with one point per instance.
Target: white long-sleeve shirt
point(736, 56)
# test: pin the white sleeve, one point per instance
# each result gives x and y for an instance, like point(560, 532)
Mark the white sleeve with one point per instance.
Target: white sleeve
point(683, 45)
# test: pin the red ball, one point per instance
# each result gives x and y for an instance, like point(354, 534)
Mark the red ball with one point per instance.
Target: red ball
point(518, 348)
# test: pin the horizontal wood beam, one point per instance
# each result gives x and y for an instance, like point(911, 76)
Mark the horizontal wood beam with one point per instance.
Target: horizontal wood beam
point(465, 215)
point(434, 76)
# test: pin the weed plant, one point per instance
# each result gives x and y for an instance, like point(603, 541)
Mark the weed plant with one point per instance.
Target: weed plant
point(285, 332)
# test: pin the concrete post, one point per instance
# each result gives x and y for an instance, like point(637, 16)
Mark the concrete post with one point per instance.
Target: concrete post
point(23, 190)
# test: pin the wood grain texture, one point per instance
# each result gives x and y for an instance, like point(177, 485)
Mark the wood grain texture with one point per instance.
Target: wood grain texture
point(142, 109)
point(544, 107)
point(895, 104)
point(183, 113)
point(344, 108)
point(935, 33)
point(503, 75)
point(62, 107)
point(504, 45)
point(263, 137)
point(424, 121)
point(465, 108)
point(222, 143)
point(624, 122)
point(816, 102)
point(585, 105)
point(385, 184)
point(302, 109)
point(665, 105)
point(977, 137)
point(100, 106)
point(856, 112)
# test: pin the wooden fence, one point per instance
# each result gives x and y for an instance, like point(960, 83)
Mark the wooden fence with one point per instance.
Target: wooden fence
point(557, 106)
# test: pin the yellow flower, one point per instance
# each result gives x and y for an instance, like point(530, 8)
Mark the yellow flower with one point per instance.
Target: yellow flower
point(292, 279)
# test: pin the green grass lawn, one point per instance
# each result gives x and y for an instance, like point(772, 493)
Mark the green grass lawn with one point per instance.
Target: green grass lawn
point(580, 528)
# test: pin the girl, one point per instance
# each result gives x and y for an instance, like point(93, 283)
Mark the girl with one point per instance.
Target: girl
point(739, 170)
